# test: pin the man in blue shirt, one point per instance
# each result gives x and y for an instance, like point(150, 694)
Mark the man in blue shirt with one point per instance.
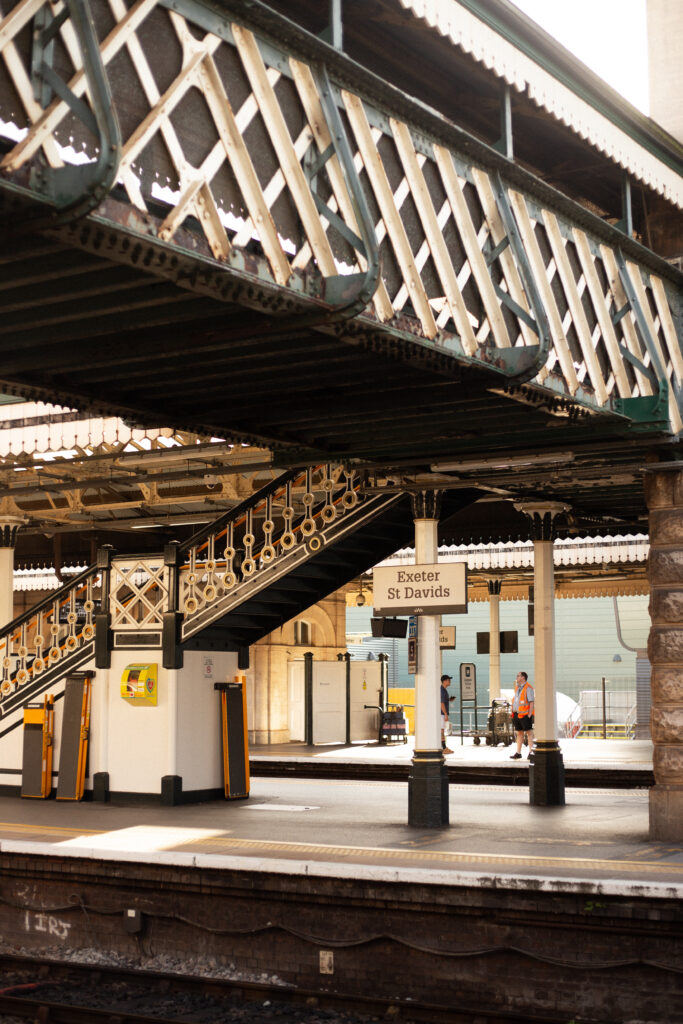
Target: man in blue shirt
point(445, 682)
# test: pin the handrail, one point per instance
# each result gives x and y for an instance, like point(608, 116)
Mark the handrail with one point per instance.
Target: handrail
point(214, 527)
point(47, 602)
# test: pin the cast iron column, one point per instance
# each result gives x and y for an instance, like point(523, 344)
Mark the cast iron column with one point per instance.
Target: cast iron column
point(9, 527)
point(546, 773)
point(664, 494)
point(428, 778)
point(494, 637)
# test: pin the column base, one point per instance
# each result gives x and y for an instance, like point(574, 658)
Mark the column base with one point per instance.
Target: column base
point(666, 813)
point(546, 775)
point(171, 790)
point(428, 790)
point(100, 787)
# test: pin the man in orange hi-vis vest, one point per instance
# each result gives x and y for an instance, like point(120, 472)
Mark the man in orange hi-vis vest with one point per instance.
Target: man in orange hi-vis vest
point(523, 714)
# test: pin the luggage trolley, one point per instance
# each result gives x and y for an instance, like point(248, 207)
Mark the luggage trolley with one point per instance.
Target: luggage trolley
point(392, 723)
point(498, 727)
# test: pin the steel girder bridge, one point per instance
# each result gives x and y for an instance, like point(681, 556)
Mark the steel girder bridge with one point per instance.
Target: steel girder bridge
point(213, 219)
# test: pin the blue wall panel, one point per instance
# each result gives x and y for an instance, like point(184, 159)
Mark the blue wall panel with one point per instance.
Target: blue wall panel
point(585, 634)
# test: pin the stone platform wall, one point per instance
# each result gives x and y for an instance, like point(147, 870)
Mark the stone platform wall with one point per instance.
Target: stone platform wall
point(497, 948)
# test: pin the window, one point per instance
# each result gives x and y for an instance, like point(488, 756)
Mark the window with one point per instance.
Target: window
point(302, 633)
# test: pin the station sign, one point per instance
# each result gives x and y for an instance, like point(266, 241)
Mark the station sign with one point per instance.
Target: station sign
point(468, 681)
point(438, 589)
point(447, 638)
point(412, 656)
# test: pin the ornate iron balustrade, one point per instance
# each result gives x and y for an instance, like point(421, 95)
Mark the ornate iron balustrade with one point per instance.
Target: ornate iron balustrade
point(139, 593)
point(288, 522)
point(302, 187)
point(50, 639)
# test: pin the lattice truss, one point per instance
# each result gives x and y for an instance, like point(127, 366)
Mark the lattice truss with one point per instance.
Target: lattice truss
point(220, 127)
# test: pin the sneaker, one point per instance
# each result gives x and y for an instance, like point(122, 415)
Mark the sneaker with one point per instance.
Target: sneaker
point(447, 750)
point(515, 757)
point(530, 757)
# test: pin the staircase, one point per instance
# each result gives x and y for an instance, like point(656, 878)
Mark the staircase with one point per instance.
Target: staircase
point(259, 565)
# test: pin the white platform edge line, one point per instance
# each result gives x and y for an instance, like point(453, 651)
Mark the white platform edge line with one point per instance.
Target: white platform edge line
point(359, 872)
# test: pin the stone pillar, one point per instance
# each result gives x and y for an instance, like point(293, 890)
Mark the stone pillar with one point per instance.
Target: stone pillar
point(664, 494)
point(9, 527)
point(494, 584)
point(428, 779)
point(546, 773)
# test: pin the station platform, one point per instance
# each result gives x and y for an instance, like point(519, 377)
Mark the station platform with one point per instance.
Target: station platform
point(510, 913)
point(595, 754)
point(355, 828)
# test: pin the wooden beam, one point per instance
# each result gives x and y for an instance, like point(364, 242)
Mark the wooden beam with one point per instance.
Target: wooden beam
point(58, 109)
point(628, 329)
point(243, 169)
point(668, 328)
point(637, 281)
point(510, 273)
point(602, 312)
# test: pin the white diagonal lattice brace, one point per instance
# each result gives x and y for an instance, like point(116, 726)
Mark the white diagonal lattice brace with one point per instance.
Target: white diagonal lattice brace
point(576, 311)
point(51, 117)
point(340, 199)
point(282, 143)
point(390, 215)
point(434, 234)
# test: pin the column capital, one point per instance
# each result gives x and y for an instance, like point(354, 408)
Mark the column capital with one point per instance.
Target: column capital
point(494, 584)
point(542, 515)
point(9, 527)
point(426, 504)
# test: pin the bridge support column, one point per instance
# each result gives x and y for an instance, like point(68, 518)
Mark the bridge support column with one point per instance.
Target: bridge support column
point(664, 493)
point(546, 773)
point(428, 779)
point(494, 585)
point(9, 527)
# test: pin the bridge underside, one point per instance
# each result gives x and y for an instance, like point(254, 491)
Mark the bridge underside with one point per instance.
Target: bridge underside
point(78, 326)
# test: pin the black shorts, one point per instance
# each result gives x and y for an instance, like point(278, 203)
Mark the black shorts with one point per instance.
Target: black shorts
point(523, 724)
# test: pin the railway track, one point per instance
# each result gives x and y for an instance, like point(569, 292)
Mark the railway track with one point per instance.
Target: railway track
point(484, 775)
point(56, 992)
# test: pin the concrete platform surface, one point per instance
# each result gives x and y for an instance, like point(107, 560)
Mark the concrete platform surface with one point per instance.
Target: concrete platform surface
point(584, 753)
point(598, 840)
